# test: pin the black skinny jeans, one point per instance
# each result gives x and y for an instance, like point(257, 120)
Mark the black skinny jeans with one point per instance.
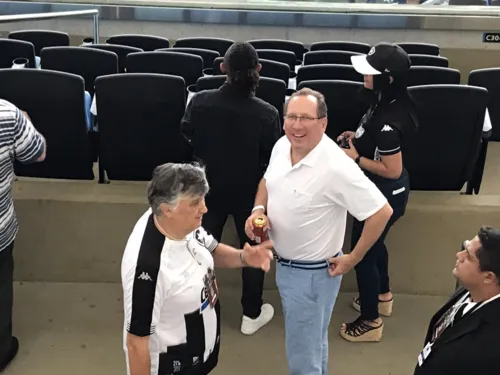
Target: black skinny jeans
point(372, 273)
point(220, 206)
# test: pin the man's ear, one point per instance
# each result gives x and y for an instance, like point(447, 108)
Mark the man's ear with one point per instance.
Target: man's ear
point(490, 278)
point(324, 123)
point(222, 68)
point(165, 210)
point(259, 67)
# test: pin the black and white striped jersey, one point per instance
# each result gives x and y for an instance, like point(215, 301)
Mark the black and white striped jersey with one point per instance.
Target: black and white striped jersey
point(165, 298)
point(19, 140)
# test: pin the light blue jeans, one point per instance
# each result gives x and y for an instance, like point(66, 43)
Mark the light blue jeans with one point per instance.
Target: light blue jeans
point(308, 298)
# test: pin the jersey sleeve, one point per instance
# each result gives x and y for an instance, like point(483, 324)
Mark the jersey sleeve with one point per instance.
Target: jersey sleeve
point(29, 144)
point(143, 296)
point(205, 239)
point(144, 283)
point(351, 189)
point(388, 140)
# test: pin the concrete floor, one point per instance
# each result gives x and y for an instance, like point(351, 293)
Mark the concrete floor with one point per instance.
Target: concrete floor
point(67, 328)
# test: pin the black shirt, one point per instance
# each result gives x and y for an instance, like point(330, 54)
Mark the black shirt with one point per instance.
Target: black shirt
point(233, 135)
point(376, 136)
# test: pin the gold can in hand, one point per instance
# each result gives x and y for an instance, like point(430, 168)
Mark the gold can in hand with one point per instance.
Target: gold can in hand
point(259, 228)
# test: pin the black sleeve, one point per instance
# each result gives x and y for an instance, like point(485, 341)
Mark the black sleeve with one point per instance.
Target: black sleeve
point(388, 140)
point(143, 285)
point(143, 301)
point(269, 136)
point(187, 126)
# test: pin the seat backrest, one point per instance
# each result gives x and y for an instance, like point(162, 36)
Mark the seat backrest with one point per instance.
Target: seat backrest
point(432, 75)
point(41, 38)
point(216, 65)
point(450, 124)
point(428, 60)
point(207, 55)
point(490, 80)
point(328, 71)
point(210, 82)
point(11, 49)
point(273, 91)
point(420, 48)
point(341, 46)
point(279, 44)
point(185, 65)
point(121, 51)
point(329, 57)
point(274, 69)
point(286, 57)
point(345, 107)
point(85, 62)
point(55, 103)
point(139, 123)
point(214, 44)
point(144, 42)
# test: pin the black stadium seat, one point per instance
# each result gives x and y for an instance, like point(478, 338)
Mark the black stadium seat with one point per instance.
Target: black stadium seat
point(144, 42)
point(11, 49)
point(214, 44)
point(139, 123)
point(328, 71)
point(328, 57)
point(286, 57)
point(450, 125)
point(185, 65)
point(207, 55)
point(428, 60)
point(432, 75)
point(341, 46)
point(420, 48)
point(121, 51)
point(85, 62)
point(41, 38)
point(345, 107)
point(55, 103)
point(279, 44)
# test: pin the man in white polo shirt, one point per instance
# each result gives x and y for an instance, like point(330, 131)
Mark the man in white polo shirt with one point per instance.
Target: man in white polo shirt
point(307, 190)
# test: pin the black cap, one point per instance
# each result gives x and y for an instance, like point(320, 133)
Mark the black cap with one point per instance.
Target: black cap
point(384, 57)
point(241, 56)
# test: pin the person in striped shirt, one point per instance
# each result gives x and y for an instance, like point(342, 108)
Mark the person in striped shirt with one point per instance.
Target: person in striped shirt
point(19, 140)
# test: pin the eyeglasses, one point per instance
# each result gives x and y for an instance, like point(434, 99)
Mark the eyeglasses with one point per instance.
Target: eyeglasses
point(294, 118)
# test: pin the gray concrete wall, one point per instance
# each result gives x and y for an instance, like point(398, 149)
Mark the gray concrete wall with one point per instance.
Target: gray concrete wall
point(76, 232)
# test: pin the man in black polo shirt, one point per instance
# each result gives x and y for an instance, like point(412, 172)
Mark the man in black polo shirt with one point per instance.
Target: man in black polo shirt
point(233, 133)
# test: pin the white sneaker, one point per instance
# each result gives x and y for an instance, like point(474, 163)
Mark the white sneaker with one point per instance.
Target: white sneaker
point(250, 326)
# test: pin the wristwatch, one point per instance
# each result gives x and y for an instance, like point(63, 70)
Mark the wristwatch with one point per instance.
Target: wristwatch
point(358, 159)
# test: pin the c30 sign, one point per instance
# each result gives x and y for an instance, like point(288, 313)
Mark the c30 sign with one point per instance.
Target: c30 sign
point(491, 37)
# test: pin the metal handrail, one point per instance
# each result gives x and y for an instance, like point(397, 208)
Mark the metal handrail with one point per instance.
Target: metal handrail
point(46, 16)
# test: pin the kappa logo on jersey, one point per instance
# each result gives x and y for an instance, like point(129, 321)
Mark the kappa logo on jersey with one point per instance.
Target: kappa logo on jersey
point(387, 128)
point(199, 238)
point(145, 276)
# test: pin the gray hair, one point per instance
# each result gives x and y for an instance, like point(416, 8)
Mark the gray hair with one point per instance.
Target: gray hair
point(171, 182)
point(322, 110)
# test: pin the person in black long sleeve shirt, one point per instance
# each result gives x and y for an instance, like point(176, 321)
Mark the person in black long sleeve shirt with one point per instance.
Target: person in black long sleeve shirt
point(232, 133)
